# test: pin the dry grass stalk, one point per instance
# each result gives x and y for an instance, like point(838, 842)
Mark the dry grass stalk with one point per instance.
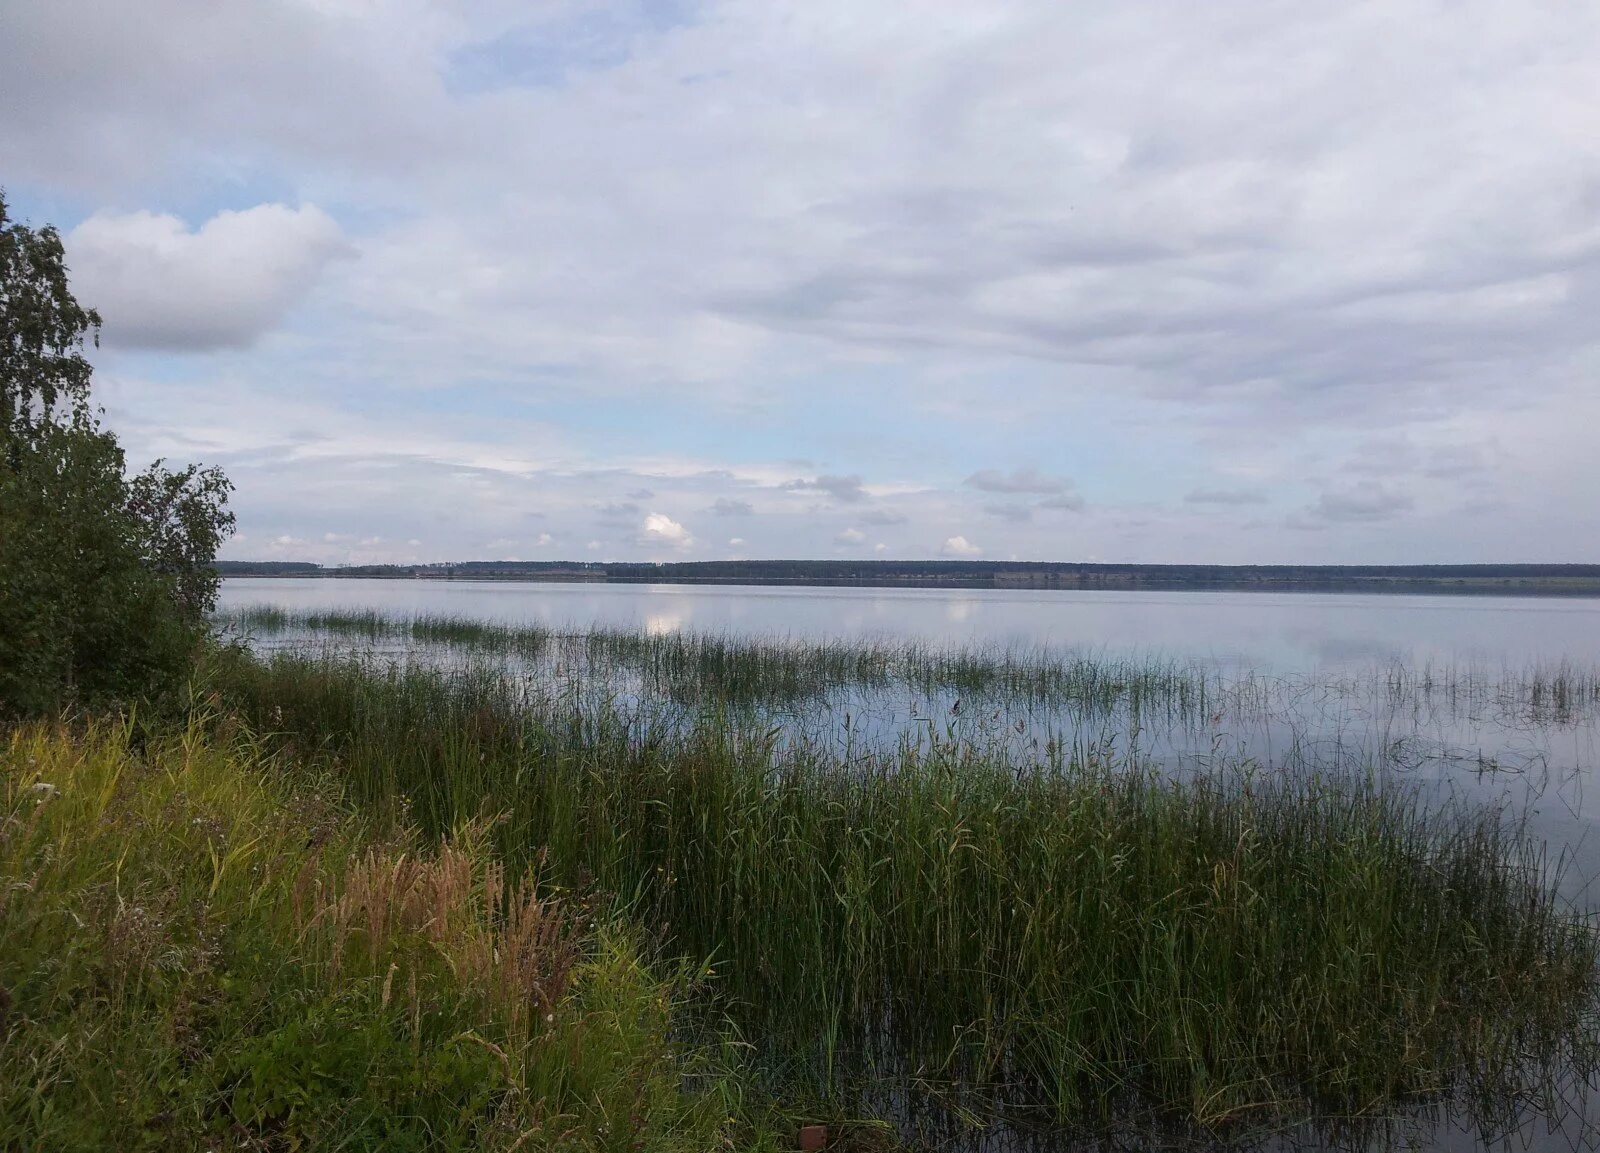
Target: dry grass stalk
point(498, 937)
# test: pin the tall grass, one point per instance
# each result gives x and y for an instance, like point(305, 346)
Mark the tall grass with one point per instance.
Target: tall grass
point(202, 946)
point(1074, 936)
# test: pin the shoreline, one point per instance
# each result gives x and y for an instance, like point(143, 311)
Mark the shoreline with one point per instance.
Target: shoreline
point(1007, 580)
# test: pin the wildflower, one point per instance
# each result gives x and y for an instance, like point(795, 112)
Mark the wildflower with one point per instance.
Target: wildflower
point(44, 789)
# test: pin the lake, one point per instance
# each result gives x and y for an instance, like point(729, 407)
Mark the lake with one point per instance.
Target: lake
point(1267, 632)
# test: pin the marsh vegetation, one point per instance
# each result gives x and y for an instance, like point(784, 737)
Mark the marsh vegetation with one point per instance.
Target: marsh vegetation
point(969, 884)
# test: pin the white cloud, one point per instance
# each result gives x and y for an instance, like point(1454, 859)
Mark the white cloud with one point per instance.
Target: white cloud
point(850, 536)
point(663, 526)
point(959, 546)
point(545, 540)
point(662, 529)
point(160, 285)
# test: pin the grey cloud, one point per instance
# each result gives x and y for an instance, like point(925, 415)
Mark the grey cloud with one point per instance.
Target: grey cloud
point(1066, 502)
point(1018, 480)
point(881, 517)
point(723, 506)
point(151, 84)
point(1384, 456)
point(1364, 502)
point(1016, 513)
point(1171, 230)
point(1226, 496)
point(845, 489)
point(1462, 461)
point(1226, 265)
point(620, 512)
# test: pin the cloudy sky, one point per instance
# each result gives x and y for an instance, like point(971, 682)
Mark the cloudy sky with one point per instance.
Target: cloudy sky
point(1149, 281)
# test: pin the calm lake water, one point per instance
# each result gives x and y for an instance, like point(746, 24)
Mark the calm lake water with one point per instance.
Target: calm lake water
point(1304, 681)
point(1267, 632)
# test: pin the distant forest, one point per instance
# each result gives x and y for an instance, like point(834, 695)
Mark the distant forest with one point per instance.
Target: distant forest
point(1522, 579)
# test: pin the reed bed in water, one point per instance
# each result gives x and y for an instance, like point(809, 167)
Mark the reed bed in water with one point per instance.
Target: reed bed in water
point(1082, 938)
point(792, 672)
point(1552, 693)
point(770, 670)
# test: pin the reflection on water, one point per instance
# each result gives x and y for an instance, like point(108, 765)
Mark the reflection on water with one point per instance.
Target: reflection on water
point(663, 624)
point(959, 611)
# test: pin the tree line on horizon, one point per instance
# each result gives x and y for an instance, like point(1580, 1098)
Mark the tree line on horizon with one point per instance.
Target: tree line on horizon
point(843, 569)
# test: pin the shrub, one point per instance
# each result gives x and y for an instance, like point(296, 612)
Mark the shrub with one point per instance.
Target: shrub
point(104, 580)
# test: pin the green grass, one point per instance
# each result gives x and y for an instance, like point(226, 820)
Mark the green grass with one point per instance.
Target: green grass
point(1078, 938)
point(204, 947)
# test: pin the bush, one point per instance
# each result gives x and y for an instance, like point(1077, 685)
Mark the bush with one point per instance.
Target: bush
point(104, 580)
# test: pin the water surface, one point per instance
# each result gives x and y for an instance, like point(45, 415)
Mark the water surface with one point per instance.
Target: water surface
point(1268, 632)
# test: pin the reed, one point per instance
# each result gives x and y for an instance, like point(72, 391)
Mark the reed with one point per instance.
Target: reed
point(693, 668)
point(1076, 935)
point(760, 668)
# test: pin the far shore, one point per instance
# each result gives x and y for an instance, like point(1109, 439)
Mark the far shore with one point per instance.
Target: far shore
point(1560, 580)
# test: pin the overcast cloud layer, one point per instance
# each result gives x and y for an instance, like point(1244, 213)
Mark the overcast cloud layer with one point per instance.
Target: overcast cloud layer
point(1128, 282)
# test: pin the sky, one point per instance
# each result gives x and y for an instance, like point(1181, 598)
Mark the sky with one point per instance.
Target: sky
point(1106, 281)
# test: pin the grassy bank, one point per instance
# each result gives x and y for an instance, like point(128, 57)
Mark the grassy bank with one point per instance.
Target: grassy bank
point(1084, 939)
point(204, 947)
